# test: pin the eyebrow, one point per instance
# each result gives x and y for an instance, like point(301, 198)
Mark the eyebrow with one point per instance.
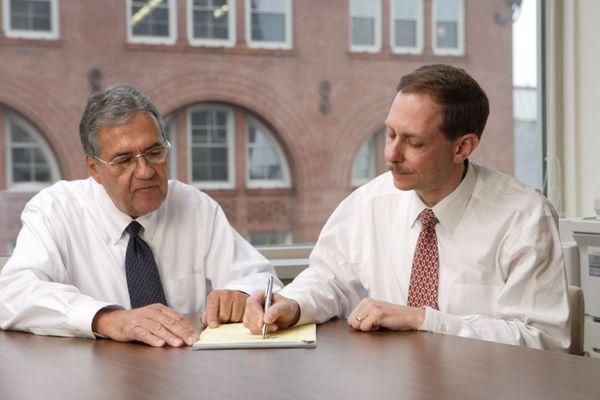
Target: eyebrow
point(403, 134)
point(129, 153)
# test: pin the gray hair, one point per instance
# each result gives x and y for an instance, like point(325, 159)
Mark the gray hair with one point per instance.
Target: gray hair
point(110, 107)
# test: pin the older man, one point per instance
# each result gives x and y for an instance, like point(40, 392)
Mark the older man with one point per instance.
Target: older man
point(438, 243)
point(122, 254)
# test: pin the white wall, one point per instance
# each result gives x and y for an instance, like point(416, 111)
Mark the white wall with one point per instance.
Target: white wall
point(587, 98)
point(574, 79)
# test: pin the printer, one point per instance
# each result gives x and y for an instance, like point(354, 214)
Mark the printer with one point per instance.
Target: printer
point(581, 237)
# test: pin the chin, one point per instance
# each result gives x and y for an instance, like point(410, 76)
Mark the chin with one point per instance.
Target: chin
point(404, 184)
point(147, 205)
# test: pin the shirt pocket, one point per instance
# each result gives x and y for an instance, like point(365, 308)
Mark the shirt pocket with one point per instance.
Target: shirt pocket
point(181, 294)
point(468, 299)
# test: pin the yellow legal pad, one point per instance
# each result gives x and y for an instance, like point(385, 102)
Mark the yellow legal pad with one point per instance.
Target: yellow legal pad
point(236, 336)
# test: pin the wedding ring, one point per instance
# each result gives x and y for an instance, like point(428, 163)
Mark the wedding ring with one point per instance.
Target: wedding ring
point(359, 319)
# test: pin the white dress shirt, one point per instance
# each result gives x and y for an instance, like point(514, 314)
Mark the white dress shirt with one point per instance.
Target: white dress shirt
point(69, 261)
point(501, 268)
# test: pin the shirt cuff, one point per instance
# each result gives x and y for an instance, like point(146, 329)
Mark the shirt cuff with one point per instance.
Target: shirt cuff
point(439, 322)
point(81, 316)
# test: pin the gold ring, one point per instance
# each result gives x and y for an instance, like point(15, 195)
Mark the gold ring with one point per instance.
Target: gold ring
point(359, 319)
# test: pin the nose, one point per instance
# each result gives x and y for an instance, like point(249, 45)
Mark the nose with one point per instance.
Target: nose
point(394, 151)
point(143, 170)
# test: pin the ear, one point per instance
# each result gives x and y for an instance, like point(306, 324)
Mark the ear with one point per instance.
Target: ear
point(92, 168)
point(464, 146)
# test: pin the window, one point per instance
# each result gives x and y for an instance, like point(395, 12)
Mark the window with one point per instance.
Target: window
point(369, 161)
point(151, 21)
point(448, 27)
point(31, 164)
point(211, 22)
point(365, 25)
point(363, 169)
point(265, 238)
point(266, 163)
point(171, 136)
point(269, 23)
point(211, 142)
point(406, 26)
point(31, 19)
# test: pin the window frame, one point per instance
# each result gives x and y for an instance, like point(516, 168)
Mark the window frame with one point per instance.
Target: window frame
point(460, 48)
point(283, 183)
point(53, 34)
point(375, 48)
point(231, 21)
point(419, 28)
point(230, 132)
point(39, 140)
point(139, 39)
point(286, 45)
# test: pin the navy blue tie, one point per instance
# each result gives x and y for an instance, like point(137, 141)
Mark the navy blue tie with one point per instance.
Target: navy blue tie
point(143, 280)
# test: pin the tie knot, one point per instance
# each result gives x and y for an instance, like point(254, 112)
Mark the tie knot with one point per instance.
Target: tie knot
point(428, 219)
point(133, 228)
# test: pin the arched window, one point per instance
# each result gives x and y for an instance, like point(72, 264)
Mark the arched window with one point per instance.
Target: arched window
point(266, 165)
point(211, 141)
point(31, 163)
point(369, 161)
point(171, 135)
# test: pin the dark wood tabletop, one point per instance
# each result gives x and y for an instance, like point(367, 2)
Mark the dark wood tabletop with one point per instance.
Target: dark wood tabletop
point(345, 365)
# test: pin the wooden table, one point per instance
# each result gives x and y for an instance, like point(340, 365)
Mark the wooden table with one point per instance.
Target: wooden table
point(345, 365)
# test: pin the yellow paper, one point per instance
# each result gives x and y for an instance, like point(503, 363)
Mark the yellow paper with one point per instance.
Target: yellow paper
point(238, 336)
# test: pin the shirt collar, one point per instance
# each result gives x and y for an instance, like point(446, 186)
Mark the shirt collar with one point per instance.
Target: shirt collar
point(115, 221)
point(450, 209)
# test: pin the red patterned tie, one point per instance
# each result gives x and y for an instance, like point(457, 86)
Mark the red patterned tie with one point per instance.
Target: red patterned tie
point(423, 289)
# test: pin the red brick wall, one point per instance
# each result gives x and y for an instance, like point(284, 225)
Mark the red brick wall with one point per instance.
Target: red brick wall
point(47, 83)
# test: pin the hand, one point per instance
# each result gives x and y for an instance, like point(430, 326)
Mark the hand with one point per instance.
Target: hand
point(282, 313)
point(155, 325)
point(372, 314)
point(223, 306)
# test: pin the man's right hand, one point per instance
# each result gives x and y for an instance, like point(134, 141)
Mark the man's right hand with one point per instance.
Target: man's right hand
point(282, 313)
point(155, 325)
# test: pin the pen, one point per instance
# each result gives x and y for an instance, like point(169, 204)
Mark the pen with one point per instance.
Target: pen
point(268, 303)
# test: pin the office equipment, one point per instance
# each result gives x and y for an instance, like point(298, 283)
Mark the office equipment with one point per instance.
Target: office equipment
point(268, 299)
point(586, 233)
point(237, 336)
point(347, 365)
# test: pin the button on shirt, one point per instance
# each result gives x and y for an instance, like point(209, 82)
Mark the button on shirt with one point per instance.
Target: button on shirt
point(69, 260)
point(501, 269)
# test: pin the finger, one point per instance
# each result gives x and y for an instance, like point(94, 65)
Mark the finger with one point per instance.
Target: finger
point(159, 330)
point(280, 313)
point(203, 318)
point(212, 310)
point(145, 336)
point(356, 316)
point(225, 305)
point(253, 314)
point(237, 309)
point(177, 324)
point(370, 323)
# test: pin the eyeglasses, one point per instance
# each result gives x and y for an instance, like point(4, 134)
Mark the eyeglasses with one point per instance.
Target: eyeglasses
point(126, 162)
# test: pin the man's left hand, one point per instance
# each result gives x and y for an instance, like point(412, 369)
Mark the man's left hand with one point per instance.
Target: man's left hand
point(372, 314)
point(223, 306)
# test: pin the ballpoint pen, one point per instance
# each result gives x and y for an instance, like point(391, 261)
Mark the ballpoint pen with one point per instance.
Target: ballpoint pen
point(267, 304)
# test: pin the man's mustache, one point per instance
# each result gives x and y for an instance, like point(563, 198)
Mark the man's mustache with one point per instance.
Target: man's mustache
point(398, 169)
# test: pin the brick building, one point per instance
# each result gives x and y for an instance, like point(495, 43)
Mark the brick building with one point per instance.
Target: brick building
point(272, 107)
